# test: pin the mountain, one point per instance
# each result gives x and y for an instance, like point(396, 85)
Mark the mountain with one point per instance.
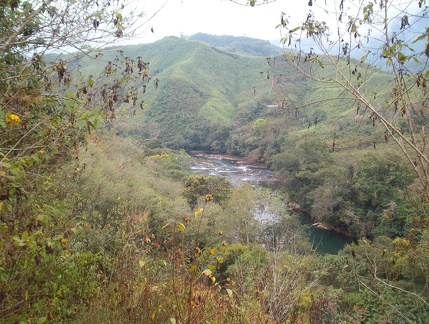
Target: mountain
point(243, 45)
point(211, 90)
point(201, 86)
point(209, 97)
point(203, 89)
point(204, 97)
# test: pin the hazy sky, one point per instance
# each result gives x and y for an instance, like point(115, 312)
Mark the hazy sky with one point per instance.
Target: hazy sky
point(224, 17)
point(217, 17)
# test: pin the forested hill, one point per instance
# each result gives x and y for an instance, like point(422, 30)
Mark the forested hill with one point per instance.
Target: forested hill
point(244, 45)
point(210, 90)
point(103, 220)
point(205, 84)
point(201, 97)
point(202, 87)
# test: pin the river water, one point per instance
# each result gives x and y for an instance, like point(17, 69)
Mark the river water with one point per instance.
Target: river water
point(237, 173)
point(232, 170)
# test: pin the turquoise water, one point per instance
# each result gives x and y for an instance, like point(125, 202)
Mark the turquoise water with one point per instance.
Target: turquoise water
point(325, 241)
point(328, 241)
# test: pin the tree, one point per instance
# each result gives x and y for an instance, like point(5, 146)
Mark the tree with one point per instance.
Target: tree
point(46, 112)
point(213, 188)
point(34, 26)
point(239, 215)
point(360, 43)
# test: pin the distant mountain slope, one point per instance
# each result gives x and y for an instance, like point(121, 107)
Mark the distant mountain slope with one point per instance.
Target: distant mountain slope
point(200, 86)
point(243, 45)
point(211, 91)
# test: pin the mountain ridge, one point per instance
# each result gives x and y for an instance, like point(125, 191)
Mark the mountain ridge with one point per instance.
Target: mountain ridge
point(205, 93)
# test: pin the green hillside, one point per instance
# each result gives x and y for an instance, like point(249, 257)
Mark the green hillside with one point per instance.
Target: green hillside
point(202, 89)
point(199, 86)
point(243, 45)
point(212, 87)
point(104, 218)
point(202, 97)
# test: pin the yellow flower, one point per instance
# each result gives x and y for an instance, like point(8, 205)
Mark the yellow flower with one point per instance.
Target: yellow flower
point(209, 198)
point(42, 152)
point(5, 159)
point(12, 118)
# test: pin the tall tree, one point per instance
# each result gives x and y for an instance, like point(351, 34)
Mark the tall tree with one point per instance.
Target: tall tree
point(45, 114)
point(350, 45)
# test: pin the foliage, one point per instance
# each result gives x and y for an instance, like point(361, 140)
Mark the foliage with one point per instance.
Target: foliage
point(45, 116)
point(197, 186)
point(239, 218)
point(376, 278)
point(366, 195)
point(98, 228)
point(400, 110)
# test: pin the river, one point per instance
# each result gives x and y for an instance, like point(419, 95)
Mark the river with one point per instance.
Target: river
point(238, 173)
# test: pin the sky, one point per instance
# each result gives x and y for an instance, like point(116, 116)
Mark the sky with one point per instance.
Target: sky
point(216, 17)
point(237, 18)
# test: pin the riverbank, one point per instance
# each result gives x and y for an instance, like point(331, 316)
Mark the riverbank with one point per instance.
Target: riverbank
point(228, 157)
point(237, 171)
point(320, 225)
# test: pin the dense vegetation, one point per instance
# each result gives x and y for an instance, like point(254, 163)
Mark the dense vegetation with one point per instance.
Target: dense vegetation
point(339, 166)
point(102, 221)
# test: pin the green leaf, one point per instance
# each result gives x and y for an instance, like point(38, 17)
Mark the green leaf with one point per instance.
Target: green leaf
point(198, 212)
point(173, 320)
point(91, 81)
point(17, 172)
point(418, 39)
point(97, 15)
point(42, 320)
point(119, 16)
point(6, 165)
point(229, 291)
point(81, 124)
point(24, 235)
point(402, 57)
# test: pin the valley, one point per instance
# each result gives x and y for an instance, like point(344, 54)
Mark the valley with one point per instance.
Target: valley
point(112, 211)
